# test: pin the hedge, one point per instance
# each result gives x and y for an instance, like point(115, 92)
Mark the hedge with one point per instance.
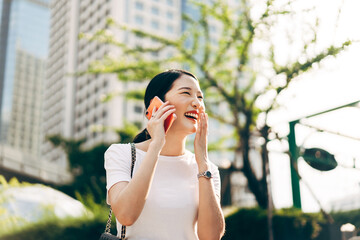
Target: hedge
point(251, 224)
point(67, 229)
point(243, 224)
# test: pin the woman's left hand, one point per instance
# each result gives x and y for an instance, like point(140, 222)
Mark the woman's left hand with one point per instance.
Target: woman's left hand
point(200, 142)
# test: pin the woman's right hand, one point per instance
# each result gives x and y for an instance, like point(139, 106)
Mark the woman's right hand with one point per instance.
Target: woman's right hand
point(155, 125)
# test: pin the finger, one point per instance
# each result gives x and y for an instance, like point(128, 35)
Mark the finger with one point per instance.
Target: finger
point(202, 108)
point(203, 125)
point(156, 110)
point(164, 105)
point(207, 123)
point(199, 128)
point(167, 114)
point(161, 111)
point(153, 112)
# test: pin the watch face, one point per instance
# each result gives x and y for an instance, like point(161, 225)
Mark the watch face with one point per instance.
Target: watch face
point(208, 174)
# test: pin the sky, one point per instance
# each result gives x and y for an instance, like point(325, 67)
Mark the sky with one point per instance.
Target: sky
point(336, 82)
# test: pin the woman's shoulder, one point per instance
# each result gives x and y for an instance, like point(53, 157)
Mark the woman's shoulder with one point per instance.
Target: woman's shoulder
point(143, 146)
point(117, 148)
point(119, 145)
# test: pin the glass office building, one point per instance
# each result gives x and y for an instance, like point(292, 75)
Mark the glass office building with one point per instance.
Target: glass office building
point(24, 40)
point(24, 48)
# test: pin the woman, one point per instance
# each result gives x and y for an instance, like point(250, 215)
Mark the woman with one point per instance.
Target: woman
point(173, 194)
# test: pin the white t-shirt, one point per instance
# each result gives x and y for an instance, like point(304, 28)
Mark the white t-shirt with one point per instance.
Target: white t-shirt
point(170, 211)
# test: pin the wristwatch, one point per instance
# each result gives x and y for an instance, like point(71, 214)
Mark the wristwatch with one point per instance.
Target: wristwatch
point(206, 174)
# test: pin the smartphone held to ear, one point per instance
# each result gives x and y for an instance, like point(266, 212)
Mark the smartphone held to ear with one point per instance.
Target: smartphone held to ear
point(156, 102)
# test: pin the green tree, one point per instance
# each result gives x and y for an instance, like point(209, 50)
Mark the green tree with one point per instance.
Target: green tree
point(229, 67)
point(87, 165)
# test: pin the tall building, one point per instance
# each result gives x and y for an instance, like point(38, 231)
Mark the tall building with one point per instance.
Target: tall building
point(24, 49)
point(347, 203)
point(73, 106)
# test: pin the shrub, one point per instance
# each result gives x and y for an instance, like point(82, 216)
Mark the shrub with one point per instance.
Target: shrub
point(347, 217)
point(251, 224)
point(65, 229)
point(244, 224)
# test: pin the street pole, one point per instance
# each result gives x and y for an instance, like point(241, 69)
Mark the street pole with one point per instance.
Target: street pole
point(294, 155)
point(294, 152)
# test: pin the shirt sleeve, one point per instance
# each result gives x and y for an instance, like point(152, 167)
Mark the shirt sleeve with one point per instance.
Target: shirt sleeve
point(216, 179)
point(117, 164)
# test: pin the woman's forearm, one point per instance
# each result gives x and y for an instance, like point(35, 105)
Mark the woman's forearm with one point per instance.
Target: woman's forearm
point(211, 224)
point(127, 200)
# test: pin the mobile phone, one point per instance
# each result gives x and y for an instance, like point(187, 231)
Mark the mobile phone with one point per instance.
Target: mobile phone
point(156, 102)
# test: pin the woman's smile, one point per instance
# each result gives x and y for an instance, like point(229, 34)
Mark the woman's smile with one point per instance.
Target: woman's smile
point(192, 116)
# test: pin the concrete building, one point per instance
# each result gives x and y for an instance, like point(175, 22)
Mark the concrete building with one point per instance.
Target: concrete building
point(347, 203)
point(73, 106)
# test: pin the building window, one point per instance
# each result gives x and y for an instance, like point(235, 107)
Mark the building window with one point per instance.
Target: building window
point(139, 5)
point(213, 41)
point(139, 20)
point(170, 2)
point(155, 24)
point(138, 109)
point(155, 10)
point(170, 28)
point(212, 29)
point(169, 15)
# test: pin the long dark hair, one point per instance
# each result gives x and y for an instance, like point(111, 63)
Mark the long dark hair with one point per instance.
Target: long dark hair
point(159, 86)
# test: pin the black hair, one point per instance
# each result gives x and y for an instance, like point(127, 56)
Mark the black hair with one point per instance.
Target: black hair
point(159, 86)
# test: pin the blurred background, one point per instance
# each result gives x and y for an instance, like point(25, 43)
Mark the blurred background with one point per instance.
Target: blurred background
point(281, 84)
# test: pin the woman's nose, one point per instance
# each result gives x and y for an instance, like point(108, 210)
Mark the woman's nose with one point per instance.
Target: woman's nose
point(197, 104)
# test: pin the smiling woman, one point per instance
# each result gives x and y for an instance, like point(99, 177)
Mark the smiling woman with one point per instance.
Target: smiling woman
point(173, 194)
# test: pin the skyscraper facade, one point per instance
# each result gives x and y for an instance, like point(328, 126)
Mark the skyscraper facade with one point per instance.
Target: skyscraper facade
point(24, 49)
point(73, 105)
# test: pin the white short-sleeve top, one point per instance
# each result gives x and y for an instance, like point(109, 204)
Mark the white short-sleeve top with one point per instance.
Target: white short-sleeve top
point(170, 211)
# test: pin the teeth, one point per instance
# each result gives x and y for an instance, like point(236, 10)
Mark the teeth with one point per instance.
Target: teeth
point(192, 115)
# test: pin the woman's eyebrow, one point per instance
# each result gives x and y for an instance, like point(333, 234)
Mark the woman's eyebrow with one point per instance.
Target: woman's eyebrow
point(189, 88)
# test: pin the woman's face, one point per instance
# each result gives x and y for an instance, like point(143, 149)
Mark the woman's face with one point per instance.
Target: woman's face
point(187, 98)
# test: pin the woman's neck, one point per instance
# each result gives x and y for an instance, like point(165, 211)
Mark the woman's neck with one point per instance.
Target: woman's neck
point(174, 145)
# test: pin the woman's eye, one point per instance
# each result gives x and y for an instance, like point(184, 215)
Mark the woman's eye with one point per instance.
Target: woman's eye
point(188, 93)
